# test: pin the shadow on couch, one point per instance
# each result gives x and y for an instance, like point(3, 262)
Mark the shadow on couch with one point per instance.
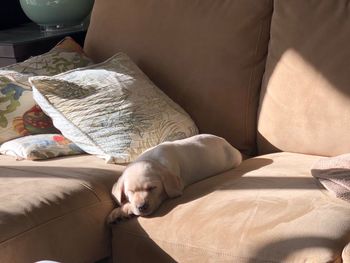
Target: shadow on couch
point(237, 179)
point(152, 235)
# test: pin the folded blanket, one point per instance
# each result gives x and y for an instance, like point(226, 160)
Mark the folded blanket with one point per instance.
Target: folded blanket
point(334, 175)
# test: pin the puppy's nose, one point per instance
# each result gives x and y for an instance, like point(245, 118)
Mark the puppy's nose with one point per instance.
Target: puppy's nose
point(143, 207)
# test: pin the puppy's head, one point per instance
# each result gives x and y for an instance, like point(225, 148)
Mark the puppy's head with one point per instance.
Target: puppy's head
point(145, 184)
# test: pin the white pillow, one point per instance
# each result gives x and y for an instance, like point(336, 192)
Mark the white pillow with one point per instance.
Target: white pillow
point(111, 109)
point(39, 147)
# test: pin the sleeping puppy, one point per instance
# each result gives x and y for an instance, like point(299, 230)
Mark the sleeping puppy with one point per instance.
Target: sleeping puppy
point(163, 171)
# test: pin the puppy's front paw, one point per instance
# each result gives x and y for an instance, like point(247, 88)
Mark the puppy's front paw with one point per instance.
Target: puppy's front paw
point(117, 215)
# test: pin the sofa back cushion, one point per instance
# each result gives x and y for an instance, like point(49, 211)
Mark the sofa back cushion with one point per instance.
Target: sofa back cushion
point(208, 55)
point(305, 100)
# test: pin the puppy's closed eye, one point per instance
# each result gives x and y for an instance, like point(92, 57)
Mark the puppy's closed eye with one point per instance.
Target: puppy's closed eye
point(151, 188)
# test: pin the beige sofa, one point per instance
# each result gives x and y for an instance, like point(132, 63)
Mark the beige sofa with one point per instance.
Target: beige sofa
point(272, 77)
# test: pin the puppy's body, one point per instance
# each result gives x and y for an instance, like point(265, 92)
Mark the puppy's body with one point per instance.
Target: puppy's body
point(164, 170)
point(195, 158)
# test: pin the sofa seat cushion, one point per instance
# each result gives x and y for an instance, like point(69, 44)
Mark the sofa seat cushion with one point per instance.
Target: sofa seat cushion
point(269, 209)
point(55, 209)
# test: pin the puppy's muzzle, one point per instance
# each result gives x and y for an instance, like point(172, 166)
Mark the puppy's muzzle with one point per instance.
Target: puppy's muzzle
point(143, 207)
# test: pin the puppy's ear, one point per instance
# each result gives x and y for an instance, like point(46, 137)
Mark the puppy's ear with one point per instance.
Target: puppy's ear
point(118, 191)
point(172, 183)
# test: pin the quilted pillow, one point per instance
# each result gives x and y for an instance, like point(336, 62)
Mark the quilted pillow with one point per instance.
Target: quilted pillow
point(111, 109)
point(19, 114)
point(39, 147)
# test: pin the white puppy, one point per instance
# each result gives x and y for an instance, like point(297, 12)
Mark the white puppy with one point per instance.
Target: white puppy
point(163, 171)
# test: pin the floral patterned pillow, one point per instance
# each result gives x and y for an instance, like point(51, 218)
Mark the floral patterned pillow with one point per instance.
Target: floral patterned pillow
point(39, 147)
point(111, 109)
point(19, 114)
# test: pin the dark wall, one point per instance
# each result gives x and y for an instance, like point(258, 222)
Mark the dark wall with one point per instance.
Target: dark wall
point(11, 14)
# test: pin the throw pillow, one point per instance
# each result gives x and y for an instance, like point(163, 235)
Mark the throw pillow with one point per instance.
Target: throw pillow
point(39, 147)
point(19, 114)
point(66, 55)
point(111, 109)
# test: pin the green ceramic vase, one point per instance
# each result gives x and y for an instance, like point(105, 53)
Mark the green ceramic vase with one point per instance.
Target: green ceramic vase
point(57, 14)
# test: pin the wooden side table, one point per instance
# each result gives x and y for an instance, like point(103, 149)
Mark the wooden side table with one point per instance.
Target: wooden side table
point(22, 42)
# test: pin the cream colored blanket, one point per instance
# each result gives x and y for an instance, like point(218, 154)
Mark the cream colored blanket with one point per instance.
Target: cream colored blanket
point(334, 175)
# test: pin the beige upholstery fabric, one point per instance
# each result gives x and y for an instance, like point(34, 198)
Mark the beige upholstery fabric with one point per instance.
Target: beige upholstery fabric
point(55, 209)
point(207, 55)
point(305, 102)
point(270, 209)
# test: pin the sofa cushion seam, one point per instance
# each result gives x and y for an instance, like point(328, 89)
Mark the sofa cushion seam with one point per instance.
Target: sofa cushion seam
point(249, 91)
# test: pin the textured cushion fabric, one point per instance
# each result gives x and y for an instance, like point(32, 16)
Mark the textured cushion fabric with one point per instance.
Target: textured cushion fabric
point(39, 147)
point(334, 174)
point(111, 109)
point(269, 209)
point(208, 56)
point(305, 102)
point(55, 209)
point(19, 114)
